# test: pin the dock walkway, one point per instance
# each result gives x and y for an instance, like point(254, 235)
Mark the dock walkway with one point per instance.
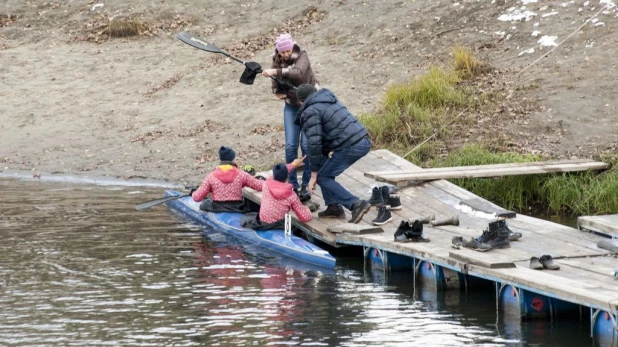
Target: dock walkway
point(584, 277)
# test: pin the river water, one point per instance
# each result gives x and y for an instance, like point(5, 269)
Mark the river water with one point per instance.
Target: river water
point(79, 266)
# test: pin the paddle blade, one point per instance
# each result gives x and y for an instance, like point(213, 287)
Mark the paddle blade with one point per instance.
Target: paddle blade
point(197, 43)
point(148, 204)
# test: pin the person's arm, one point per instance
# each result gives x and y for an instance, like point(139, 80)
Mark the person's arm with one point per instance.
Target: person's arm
point(251, 182)
point(312, 127)
point(202, 192)
point(302, 212)
point(296, 72)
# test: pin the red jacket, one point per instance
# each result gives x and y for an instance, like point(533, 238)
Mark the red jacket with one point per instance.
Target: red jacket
point(225, 184)
point(277, 200)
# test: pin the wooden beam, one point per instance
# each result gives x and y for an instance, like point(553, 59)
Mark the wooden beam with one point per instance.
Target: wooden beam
point(484, 171)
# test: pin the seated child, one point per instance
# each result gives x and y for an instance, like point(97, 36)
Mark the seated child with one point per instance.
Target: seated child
point(225, 185)
point(278, 198)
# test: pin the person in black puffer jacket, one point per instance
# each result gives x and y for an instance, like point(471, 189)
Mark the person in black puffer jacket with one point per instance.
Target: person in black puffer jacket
point(335, 141)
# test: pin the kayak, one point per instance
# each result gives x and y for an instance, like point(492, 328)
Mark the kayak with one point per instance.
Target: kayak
point(229, 222)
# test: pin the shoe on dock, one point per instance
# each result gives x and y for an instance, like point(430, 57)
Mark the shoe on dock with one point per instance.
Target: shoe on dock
point(359, 208)
point(376, 196)
point(394, 202)
point(548, 262)
point(384, 215)
point(535, 263)
point(332, 211)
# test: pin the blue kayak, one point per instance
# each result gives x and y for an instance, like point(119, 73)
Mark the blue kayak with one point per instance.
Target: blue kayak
point(229, 222)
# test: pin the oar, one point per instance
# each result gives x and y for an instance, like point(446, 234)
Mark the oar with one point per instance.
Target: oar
point(148, 204)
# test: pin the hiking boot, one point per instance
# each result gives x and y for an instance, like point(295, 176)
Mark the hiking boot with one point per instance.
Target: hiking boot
point(385, 193)
point(332, 211)
point(384, 215)
point(394, 202)
point(513, 235)
point(303, 194)
point(487, 235)
point(535, 264)
point(457, 242)
point(548, 262)
point(359, 208)
point(501, 239)
point(416, 232)
point(476, 245)
point(376, 197)
point(402, 231)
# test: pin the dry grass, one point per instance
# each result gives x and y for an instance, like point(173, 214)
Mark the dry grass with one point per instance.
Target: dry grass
point(125, 27)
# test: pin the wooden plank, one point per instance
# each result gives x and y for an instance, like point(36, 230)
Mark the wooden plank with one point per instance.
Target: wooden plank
point(357, 229)
point(605, 224)
point(602, 265)
point(376, 173)
point(484, 206)
point(463, 172)
point(484, 259)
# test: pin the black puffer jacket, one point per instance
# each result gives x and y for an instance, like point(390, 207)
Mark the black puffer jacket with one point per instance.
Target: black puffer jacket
point(328, 125)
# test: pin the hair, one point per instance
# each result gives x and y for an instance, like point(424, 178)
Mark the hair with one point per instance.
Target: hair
point(278, 61)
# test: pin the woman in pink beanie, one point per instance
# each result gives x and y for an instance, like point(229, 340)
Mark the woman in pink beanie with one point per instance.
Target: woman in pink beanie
point(291, 64)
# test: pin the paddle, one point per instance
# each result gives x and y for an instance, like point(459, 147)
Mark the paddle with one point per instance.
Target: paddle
point(193, 41)
point(148, 204)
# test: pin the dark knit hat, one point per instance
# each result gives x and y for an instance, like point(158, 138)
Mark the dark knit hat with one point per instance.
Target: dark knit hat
point(304, 91)
point(226, 154)
point(280, 172)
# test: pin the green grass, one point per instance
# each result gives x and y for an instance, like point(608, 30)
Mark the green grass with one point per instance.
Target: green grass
point(574, 193)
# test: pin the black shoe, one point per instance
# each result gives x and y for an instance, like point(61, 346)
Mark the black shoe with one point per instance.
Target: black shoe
point(501, 238)
point(403, 231)
point(395, 202)
point(359, 208)
point(501, 224)
point(385, 193)
point(535, 264)
point(548, 263)
point(376, 197)
point(332, 211)
point(384, 216)
point(304, 194)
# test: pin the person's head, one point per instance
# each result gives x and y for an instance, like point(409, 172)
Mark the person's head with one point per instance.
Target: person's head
point(303, 91)
point(285, 46)
point(280, 173)
point(226, 155)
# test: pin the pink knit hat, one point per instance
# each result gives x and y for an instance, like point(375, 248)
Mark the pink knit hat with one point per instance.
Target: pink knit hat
point(284, 43)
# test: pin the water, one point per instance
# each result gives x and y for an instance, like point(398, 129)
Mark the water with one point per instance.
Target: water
point(80, 267)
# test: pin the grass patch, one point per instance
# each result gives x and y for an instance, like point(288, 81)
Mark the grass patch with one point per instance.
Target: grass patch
point(125, 27)
point(465, 63)
point(574, 193)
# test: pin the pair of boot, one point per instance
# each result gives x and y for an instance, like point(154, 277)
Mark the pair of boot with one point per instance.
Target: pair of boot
point(387, 202)
point(496, 236)
point(544, 262)
point(359, 208)
point(382, 196)
point(407, 232)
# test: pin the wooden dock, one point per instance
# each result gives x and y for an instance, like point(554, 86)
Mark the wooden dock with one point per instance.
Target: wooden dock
point(583, 279)
point(402, 177)
point(605, 224)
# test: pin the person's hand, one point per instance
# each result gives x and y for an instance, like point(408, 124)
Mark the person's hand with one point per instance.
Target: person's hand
point(312, 182)
point(269, 72)
point(298, 162)
point(280, 96)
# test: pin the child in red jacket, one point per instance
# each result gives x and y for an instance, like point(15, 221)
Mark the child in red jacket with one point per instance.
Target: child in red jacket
point(278, 198)
point(225, 185)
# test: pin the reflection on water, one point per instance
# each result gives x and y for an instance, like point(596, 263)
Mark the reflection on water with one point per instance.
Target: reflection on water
point(79, 266)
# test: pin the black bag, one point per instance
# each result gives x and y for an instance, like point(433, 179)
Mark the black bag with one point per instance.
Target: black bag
point(251, 70)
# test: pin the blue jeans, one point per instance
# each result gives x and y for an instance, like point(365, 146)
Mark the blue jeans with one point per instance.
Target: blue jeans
point(333, 192)
point(294, 136)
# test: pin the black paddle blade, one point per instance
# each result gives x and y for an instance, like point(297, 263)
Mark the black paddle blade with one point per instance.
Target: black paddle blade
point(197, 43)
point(148, 204)
point(251, 70)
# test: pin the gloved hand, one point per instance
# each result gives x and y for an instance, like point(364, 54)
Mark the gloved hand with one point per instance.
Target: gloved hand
point(192, 189)
point(261, 178)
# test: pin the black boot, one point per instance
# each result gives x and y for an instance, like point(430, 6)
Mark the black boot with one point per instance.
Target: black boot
point(416, 232)
point(332, 211)
point(384, 215)
point(359, 208)
point(376, 197)
point(403, 231)
point(395, 202)
point(501, 223)
point(501, 239)
point(303, 194)
point(548, 262)
point(385, 194)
